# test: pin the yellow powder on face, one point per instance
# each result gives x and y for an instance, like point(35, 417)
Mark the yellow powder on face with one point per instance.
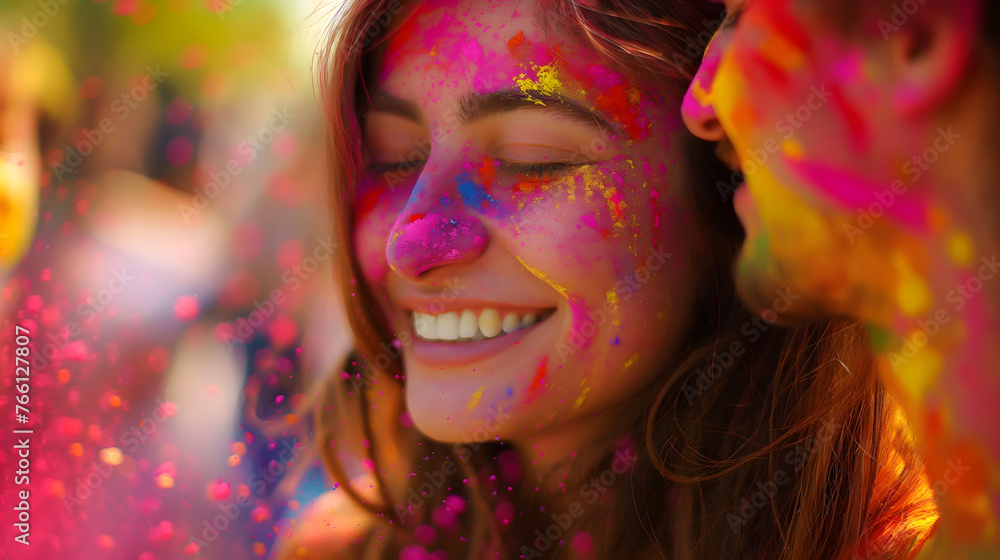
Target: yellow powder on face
point(912, 294)
point(631, 361)
point(961, 249)
point(475, 398)
point(612, 297)
point(546, 82)
point(579, 400)
point(541, 276)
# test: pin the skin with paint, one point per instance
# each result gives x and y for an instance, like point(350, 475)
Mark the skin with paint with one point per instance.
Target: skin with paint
point(547, 193)
point(544, 315)
point(863, 132)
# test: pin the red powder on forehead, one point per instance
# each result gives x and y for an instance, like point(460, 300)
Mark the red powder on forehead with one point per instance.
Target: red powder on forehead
point(615, 103)
point(518, 46)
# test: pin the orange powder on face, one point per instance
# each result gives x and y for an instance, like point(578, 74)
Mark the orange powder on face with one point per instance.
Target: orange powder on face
point(518, 46)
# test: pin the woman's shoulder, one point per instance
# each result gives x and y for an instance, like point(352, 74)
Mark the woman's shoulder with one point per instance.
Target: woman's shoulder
point(334, 525)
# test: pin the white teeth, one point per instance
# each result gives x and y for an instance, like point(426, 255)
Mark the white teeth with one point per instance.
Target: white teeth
point(510, 323)
point(447, 326)
point(465, 325)
point(489, 322)
point(468, 325)
point(425, 325)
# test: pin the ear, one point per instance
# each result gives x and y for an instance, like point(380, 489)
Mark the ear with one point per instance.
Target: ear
point(930, 51)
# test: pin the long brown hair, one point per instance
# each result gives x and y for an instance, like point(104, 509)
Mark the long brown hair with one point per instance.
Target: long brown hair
point(788, 449)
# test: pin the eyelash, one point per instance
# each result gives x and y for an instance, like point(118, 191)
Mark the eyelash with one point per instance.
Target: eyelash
point(536, 170)
point(521, 169)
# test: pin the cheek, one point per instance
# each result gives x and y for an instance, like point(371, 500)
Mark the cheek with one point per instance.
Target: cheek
point(377, 210)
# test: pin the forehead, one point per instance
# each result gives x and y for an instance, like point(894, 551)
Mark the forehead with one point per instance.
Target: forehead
point(484, 45)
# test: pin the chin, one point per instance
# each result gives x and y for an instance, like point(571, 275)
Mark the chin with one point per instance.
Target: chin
point(765, 283)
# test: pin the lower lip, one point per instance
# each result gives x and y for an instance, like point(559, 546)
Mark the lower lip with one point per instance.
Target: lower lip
point(436, 353)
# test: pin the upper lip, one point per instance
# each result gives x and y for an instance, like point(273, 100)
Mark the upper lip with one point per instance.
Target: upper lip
point(444, 304)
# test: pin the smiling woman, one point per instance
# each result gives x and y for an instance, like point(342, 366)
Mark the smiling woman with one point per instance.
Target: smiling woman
point(551, 360)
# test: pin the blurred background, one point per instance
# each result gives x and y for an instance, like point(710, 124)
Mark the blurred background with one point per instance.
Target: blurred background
point(164, 242)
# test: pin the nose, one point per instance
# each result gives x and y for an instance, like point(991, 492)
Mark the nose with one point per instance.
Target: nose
point(434, 229)
point(698, 111)
point(698, 108)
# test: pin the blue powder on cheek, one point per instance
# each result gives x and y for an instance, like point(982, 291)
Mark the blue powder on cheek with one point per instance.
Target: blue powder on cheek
point(510, 391)
point(475, 196)
point(615, 341)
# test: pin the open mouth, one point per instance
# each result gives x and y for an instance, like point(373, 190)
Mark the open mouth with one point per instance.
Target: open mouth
point(469, 325)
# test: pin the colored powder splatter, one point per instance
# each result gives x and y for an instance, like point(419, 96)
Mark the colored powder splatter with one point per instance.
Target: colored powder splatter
point(589, 221)
point(518, 46)
point(545, 82)
point(613, 302)
point(475, 398)
point(579, 400)
point(538, 382)
point(472, 50)
point(474, 195)
point(488, 171)
point(581, 317)
point(617, 103)
point(542, 276)
point(631, 361)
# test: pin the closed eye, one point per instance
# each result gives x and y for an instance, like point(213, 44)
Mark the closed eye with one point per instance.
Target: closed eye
point(537, 170)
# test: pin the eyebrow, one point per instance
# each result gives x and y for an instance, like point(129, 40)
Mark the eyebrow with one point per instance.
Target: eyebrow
point(473, 107)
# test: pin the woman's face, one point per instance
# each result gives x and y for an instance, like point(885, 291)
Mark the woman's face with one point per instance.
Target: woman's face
point(519, 221)
point(819, 119)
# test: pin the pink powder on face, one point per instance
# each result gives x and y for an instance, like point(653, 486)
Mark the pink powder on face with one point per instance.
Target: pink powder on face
point(851, 190)
point(472, 50)
point(431, 240)
point(579, 312)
